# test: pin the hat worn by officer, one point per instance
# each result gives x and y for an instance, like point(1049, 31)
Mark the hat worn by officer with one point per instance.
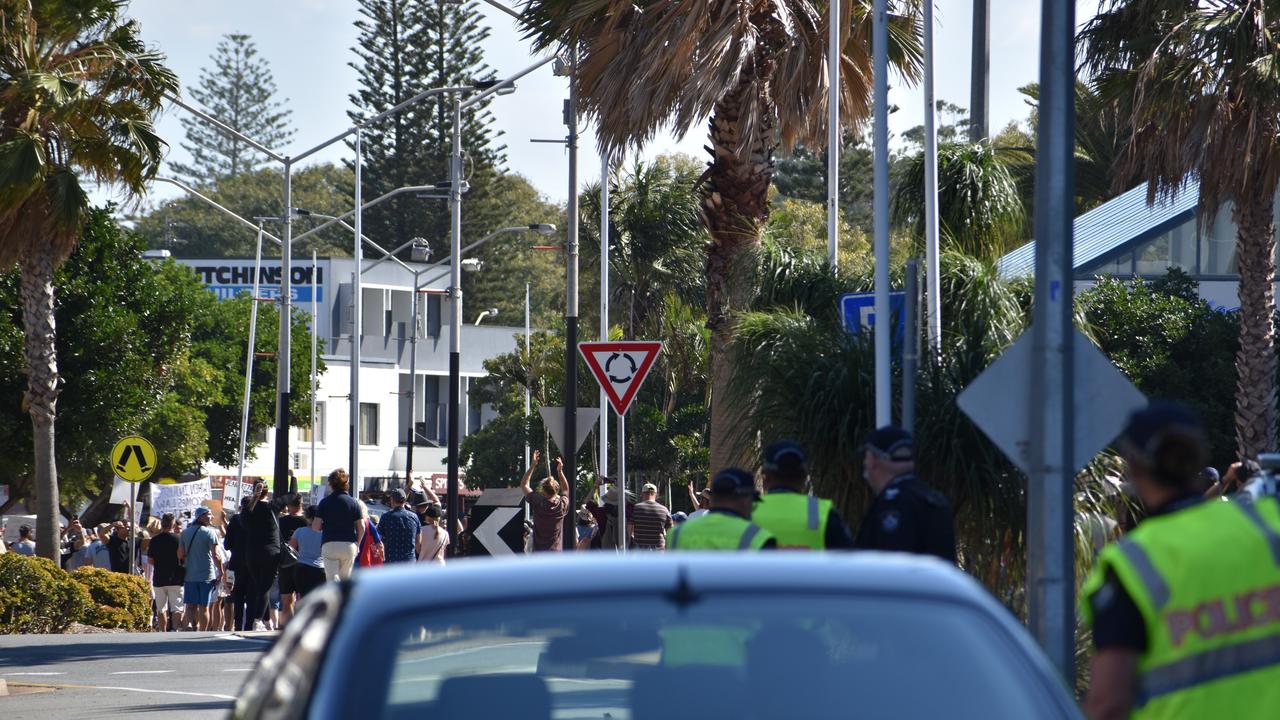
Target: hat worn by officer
point(785, 461)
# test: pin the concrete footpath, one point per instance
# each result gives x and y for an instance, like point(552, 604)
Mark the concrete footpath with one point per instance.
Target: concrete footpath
point(125, 675)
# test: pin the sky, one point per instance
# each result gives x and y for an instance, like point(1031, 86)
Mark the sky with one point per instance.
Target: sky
point(308, 46)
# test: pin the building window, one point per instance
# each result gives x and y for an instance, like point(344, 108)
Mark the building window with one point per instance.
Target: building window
point(304, 434)
point(433, 316)
point(368, 423)
point(1218, 245)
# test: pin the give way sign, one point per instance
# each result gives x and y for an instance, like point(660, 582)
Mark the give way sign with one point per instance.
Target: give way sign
point(620, 368)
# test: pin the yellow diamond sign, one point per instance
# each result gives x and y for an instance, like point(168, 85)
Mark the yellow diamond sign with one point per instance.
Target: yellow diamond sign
point(133, 459)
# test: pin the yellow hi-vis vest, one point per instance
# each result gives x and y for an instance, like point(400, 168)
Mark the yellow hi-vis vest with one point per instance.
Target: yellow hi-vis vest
point(799, 522)
point(1207, 582)
point(718, 531)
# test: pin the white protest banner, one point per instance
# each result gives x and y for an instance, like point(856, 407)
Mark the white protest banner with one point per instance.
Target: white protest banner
point(180, 498)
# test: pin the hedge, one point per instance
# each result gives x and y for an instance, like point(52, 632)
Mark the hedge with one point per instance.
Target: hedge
point(119, 600)
point(37, 596)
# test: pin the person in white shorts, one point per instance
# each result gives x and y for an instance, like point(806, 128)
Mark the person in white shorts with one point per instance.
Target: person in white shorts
point(167, 575)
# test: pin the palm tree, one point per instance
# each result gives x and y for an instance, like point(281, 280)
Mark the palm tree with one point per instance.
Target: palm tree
point(1196, 86)
point(1100, 136)
point(78, 91)
point(655, 239)
point(980, 212)
point(756, 69)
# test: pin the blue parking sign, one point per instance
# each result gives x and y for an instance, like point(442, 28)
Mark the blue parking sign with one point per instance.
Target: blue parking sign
point(859, 311)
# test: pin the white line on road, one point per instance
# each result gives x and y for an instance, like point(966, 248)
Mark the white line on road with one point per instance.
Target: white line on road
point(237, 670)
point(141, 672)
point(147, 690)
point(33, 674)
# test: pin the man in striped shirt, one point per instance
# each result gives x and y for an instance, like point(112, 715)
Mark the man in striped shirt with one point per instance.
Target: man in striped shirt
point(650, 520)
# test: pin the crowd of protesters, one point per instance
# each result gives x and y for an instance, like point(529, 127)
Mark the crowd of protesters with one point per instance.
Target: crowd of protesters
point(245, 569)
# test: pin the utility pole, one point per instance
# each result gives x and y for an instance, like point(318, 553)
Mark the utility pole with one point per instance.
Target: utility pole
point(980, 72)
point(284, 350)
point(834, 54)
point(880, 142)
point(571, 302)
point(455, 318)
point(1050, 549)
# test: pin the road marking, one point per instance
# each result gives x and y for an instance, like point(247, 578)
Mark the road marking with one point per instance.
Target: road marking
point(141, 672)
point(237, 670)
point(33, 674)
point(137, 690)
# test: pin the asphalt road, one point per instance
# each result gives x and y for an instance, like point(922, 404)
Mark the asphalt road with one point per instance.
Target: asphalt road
point(125, 675)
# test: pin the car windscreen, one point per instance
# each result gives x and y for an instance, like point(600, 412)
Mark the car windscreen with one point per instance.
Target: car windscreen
point(706, 656)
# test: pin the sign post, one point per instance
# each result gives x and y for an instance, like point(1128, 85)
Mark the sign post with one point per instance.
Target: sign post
point(620, 368)
point(134, 460)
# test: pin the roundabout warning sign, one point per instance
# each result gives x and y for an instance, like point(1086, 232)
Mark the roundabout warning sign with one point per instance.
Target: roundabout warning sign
point(620, 368)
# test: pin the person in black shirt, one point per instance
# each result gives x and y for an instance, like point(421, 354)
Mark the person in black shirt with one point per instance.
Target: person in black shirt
point(168, 574)
point(907, 515)
point(290, 521)
point(262, 559)
point(118, 547)
point(236, 543)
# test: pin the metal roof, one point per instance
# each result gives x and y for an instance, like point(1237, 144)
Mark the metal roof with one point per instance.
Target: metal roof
point(1113, 227)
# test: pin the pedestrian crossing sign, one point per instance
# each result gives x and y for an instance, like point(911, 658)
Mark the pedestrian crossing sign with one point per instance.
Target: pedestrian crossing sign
point(133, 459)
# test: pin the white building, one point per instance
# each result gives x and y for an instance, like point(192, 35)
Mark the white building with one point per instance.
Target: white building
point(386, 343)
point(1126, 237)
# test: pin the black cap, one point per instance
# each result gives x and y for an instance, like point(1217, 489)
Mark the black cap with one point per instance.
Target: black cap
point(733, 482)
point(433, 511)
point(1150, 424)
point(398, 494)
point(784, 457)
point(891, 442)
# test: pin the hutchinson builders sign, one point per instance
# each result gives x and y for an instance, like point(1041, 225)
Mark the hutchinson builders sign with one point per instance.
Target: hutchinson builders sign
point(229, 277)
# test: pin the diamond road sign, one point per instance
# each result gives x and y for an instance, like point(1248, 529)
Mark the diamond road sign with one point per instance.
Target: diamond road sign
point(1104, 398)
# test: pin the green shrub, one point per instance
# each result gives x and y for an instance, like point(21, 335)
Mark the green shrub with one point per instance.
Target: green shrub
point(119, 600)
point(37, 596)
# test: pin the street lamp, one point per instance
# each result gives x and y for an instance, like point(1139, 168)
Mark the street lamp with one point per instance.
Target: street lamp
point(418, 247)
point(491, 312)
point(484, 87)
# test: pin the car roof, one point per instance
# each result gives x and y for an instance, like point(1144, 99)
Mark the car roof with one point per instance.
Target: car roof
point(392, 588)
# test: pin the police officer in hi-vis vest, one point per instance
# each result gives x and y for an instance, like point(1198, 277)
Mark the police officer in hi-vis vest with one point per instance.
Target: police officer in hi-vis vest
point(798, 520)
point(726, 525)
point(1185, 609)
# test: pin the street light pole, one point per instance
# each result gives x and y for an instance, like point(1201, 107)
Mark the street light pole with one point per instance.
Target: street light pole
point(571, 305)
point(357, 317)
point(880, 133)
point(284, 350)
point(455, 323)
point(604, 306)
point(834, 54)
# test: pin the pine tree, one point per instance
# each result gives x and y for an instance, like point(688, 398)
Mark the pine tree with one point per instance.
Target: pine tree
point(405, 47)
point(238, 90)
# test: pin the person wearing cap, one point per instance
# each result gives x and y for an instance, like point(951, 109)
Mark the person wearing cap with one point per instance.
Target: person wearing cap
point(906, 515)
point(399, 529)
point(1185, 609)
point(586, 528)
point(727, 524)
point(798, 520)
point(649, 520)
point(197, 549)
point(701, 500)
